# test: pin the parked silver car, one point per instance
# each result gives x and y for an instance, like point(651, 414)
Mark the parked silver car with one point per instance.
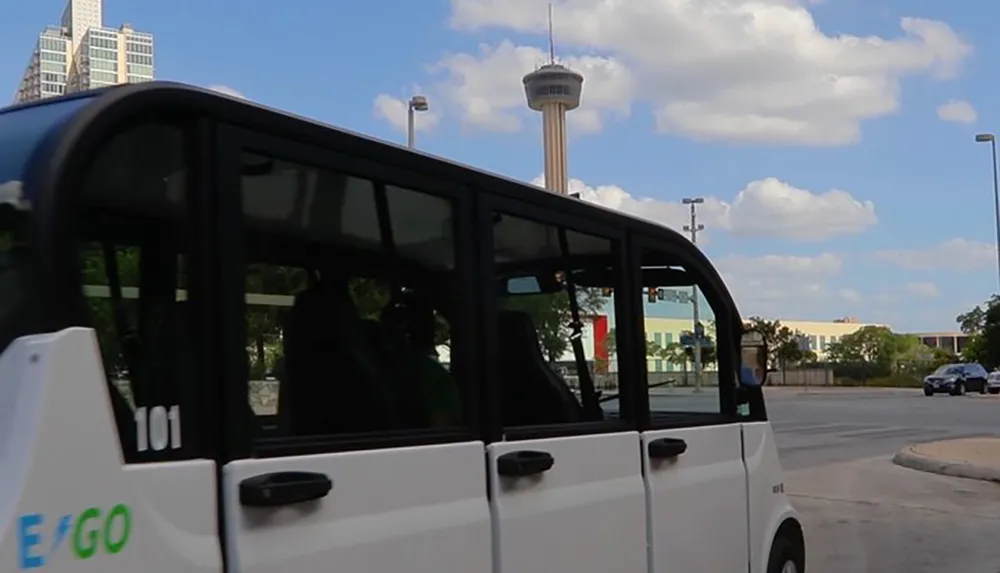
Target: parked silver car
point(993, 382)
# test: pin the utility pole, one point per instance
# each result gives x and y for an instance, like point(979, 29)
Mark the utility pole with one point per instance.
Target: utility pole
point(699, 332)
point(992, 140)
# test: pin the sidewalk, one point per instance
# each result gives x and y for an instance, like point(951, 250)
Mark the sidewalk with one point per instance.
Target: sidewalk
point(972, 458)
point(840, 390)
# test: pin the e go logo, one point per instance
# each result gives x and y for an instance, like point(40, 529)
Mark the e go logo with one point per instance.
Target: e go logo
point(90, 532)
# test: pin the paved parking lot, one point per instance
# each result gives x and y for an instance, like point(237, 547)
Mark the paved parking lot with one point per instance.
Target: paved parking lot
point(864, 514)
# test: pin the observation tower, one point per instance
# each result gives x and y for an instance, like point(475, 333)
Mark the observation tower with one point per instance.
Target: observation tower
point(554, 89)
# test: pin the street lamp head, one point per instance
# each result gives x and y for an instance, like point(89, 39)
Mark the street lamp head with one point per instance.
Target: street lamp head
point(693, 200)
point(984, 137)
point(419, 103)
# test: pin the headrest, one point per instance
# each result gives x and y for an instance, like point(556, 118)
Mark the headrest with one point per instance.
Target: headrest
point(516, 323)
point(324, 303)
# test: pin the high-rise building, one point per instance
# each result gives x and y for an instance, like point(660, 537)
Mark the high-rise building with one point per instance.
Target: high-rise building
point(82, 54)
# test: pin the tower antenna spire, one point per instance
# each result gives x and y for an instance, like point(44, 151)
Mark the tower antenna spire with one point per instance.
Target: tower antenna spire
point(552, 41)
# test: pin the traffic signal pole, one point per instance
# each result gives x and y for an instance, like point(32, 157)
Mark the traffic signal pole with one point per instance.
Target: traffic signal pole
point(693, 228)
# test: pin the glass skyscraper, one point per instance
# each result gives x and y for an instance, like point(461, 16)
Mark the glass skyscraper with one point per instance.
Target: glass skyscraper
point(81, 54)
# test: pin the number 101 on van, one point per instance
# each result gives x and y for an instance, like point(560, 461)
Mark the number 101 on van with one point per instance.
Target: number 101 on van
point(158, 428)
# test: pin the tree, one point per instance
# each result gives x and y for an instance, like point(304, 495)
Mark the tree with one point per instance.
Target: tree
point(975, 349)
point(973, 321)
point(653, 349)
point(981, 346)
point(675, 353)
point(788, 351)
point(991, 336)
point(875, 344)
point(551, 315)
point(782, 342)
point(875, 350)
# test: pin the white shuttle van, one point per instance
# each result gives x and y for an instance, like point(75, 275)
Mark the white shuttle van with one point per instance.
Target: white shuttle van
point(218, 323)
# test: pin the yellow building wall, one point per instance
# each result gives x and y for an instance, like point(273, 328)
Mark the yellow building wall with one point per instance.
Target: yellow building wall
point(821, 334)
point(664, 331)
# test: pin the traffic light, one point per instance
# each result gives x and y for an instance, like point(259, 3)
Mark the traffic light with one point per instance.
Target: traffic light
point(653, 295)
point(606, 292)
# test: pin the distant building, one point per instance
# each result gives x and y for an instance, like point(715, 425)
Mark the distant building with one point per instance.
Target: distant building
point(82, 54)
point(954, 342)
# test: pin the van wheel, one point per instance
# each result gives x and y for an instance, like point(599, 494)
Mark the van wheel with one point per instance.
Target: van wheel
point(786, 557)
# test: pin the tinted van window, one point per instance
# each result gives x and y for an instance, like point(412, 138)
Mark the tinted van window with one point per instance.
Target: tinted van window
point(21, 132)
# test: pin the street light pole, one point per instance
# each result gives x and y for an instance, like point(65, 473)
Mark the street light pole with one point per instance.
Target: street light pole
point(693, 228)
point(983, 138)
point(416, 103)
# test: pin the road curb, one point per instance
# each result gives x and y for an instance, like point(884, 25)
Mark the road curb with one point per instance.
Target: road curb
point(908, 458)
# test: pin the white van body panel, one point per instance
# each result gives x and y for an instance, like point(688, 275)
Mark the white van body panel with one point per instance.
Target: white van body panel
point(769, 506)
point(425, 509)
point(697, 501)
point(587, 514)
point(62, 477)
point(415, 509)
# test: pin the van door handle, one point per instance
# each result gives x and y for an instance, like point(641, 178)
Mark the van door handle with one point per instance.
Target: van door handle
point(283, 488)
point(524, 463)
point(665, 448)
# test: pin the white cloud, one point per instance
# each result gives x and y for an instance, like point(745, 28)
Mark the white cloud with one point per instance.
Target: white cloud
point(770, 207)
point(487, 87)
point(783, 285)
point(924, 289)
point(954, 254)
point(227, 91)
point(770, 285)
point(957, 111)
point(849, 294)
point(734, 70)
point(394, 111)
point(764, 208)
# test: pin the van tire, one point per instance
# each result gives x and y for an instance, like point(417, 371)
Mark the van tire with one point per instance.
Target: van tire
point(786, 554)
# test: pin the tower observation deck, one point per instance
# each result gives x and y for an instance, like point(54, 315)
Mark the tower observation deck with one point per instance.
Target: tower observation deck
point(554, 89)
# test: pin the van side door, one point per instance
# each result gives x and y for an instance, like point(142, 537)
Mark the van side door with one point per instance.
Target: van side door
point(362, 452)
point(565, 481)
point(692, 457)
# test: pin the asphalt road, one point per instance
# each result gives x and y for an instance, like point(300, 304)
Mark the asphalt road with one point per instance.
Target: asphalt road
point(864, 514)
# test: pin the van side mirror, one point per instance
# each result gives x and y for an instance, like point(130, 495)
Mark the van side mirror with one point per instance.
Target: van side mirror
point(753, 359)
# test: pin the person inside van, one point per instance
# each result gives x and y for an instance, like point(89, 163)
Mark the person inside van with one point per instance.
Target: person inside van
point(413, 324)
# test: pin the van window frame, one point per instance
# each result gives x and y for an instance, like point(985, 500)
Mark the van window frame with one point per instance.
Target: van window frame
point(493, 203)
point(58, 173)
point(715, 293)
point(233, 142)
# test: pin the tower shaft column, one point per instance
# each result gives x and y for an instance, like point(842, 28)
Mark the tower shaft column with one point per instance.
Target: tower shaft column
point(554, 144)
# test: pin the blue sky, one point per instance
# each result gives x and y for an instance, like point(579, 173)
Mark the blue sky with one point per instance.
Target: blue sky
point(835, 182)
